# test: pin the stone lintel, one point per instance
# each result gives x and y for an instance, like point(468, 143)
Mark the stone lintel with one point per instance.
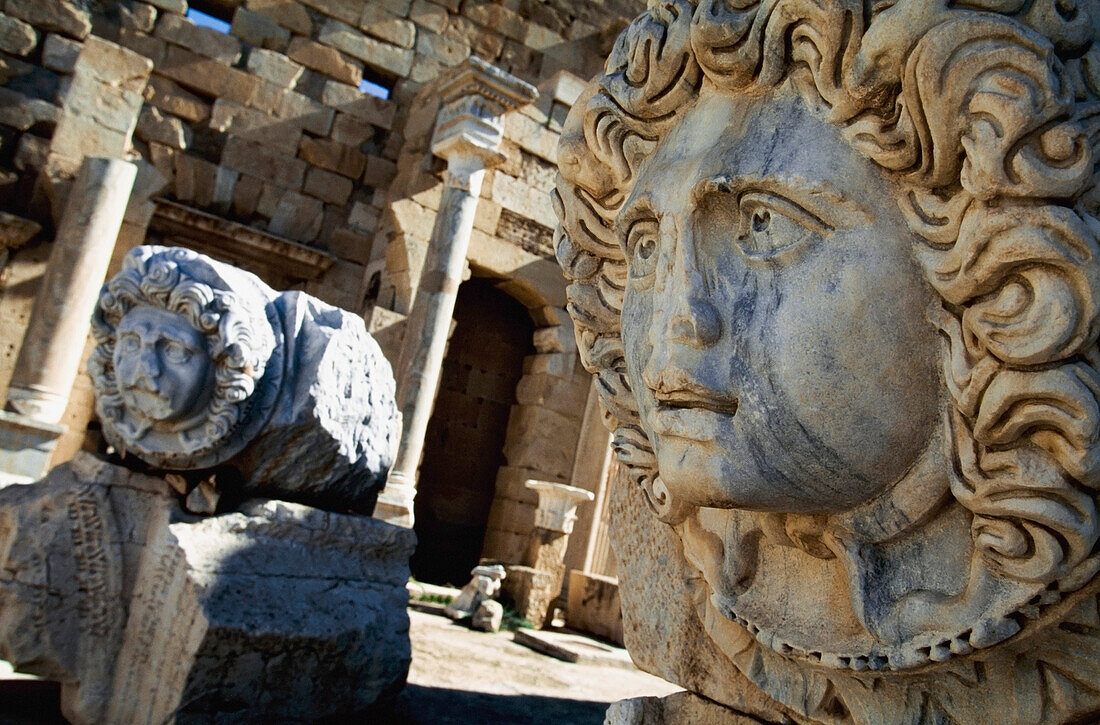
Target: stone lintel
point(238, 243)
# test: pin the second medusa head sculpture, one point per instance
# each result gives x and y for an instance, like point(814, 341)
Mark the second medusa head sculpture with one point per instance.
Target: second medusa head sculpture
point(200, 366)
point(835, 266)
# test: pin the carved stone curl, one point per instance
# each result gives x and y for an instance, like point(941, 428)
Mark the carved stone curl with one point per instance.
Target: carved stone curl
point(200, 365)
point(835, 266)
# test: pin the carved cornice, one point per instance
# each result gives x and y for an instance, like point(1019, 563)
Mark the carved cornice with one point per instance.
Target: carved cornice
point(238, 243)
point(470, 123)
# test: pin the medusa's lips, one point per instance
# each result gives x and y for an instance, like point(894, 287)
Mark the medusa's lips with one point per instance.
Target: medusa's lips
point(694, 399)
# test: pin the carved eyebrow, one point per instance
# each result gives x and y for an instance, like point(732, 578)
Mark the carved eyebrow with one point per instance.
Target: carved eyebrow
point(834, 208)
point(636, 210)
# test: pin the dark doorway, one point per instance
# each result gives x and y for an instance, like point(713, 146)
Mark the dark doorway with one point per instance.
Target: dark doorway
point(463, 446)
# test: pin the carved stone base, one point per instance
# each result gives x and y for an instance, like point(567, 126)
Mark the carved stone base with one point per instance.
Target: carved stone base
point(145, 614)
point(531, 590)
point(679, 707)
point(26, 446)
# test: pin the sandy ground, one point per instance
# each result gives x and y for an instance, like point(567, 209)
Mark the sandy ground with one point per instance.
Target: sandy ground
point(462, 676)
point(457, 676)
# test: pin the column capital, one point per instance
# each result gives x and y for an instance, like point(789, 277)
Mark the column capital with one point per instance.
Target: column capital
point(469, 126)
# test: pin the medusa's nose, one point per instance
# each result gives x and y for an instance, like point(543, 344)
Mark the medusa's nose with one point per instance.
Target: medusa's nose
point(686, 315)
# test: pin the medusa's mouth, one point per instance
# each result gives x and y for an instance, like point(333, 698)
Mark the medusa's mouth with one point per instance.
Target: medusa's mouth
point(692, 399)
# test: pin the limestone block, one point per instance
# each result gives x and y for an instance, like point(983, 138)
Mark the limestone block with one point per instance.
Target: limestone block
point(379, 172)
point(531, 592)
point(248, 123)
point(345, 10)
point(377, 54)
point(498, 18)
point(327, 186)
point(16, 231)
point(297, 217)
point(350, 244)
point(428, 15)
point(287, 13)
point(204, 41)
point(328, 154)
point(540, 38)
point(325, 60)
point(353, 102)
point(16, 37)
point(594, 605)
point(138, 16)
point(179, 7)
point(171, 98)
point(259, 30)
point(384, 25)
point(518, 197)
point(306, 112)
point(488, 616)
point(274, 67)
point(290, 392)
point(154, 125)
point(19, 112)
point(147, 614)
point(60, 53)
point(206, 76)
point(262, 162)
point(447, 51)
point(152, 48)
point(31, 152)
point(363, 217)
point(349, 130)
point(52, 16)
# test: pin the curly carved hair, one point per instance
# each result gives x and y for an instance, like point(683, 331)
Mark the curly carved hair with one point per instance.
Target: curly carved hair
point(988, 117)
point(155, 276)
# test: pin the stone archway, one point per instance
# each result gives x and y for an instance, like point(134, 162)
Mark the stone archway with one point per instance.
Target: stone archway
point(466, 435)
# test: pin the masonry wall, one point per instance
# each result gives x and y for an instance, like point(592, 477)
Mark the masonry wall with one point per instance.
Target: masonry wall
point(265, 132)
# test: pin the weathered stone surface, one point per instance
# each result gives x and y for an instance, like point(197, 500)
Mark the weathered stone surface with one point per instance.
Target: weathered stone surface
point(204, 41)
point(484, 585)
point(264, 163)
point(52, 15)
point(138, 16)
point(488, 616)
point(325, 60)
point(594, 605)
point(16, 37)
point(259, 31)
point(101, 106)
point(832, 419)
point(291, 392)
point(685, 707)
point(287, 13)
point(346, 10)
point(297, 217)
point(384, 25)
point(179, 7)
point(60, 53)
point(146, 613)
point(355, 103)
point(306, 112)
point(327, 186)
point(170, 97)
point(248, 123)
point(153, 125)
point(333, 156)
point(16, 231)
point(274, 67)
point(379, 55)
point(209, 77)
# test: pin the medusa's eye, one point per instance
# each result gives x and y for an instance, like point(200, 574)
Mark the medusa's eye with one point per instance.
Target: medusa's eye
point(642, 248)
point(769, 225)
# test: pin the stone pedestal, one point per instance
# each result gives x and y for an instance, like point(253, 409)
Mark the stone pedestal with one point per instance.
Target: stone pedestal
point(26, 446)
point(147, 614)
point(468, 133)
point(534, 587)
point(594, 605)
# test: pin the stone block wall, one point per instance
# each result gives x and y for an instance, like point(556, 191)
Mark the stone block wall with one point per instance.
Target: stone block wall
point(265, 127)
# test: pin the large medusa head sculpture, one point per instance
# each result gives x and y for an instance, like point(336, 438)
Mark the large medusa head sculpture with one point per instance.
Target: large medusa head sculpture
point(834, 264)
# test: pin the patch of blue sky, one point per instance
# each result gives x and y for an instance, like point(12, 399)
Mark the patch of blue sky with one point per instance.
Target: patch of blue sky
point(374, 89)
point(207, 21)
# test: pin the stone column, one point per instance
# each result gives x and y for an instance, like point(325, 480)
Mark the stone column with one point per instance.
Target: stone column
point(54, 341)
point(468, 132)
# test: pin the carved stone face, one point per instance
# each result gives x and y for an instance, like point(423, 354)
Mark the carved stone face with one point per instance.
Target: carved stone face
point(774, 322)
point(163, 368)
